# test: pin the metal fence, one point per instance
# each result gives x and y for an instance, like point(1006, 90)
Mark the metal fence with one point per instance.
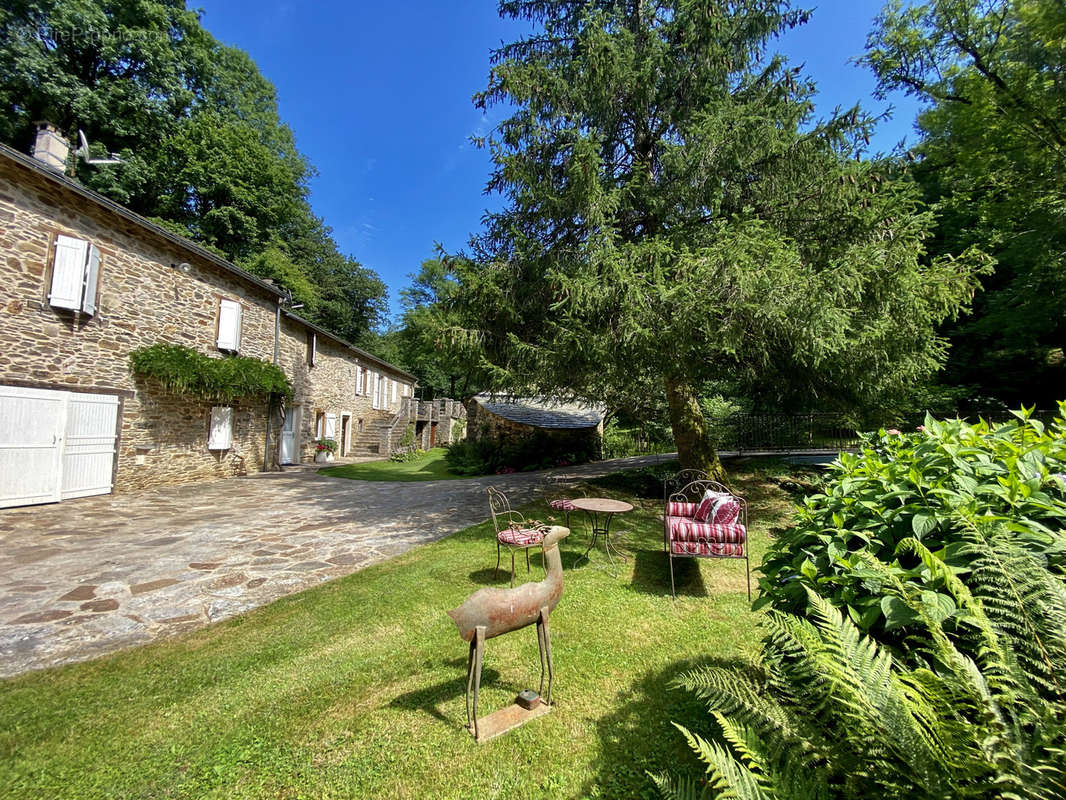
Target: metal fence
point(817, 432)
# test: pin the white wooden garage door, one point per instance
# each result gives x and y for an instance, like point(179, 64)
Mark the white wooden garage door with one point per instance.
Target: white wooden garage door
point(55, 445)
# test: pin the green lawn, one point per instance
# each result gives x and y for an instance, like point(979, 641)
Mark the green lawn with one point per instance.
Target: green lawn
point(430, 467)
point(355, 688)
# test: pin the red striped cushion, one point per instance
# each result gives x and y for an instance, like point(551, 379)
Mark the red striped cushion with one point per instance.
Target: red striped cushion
point(562, 505)
point(687, 530)
point(676, 509)
point(723, 549)
point(520, 537)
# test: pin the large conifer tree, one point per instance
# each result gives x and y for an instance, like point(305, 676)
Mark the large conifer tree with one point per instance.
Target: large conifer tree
point(676, 215)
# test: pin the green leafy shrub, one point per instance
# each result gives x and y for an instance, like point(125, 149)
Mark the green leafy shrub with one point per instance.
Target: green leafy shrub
point(927, 485)
point(326, 446)
point(404, 456)
point(183, 370)
point(833, 714)
point(540, 451)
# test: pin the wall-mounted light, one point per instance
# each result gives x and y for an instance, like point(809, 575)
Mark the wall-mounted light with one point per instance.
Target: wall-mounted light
point(184, 266)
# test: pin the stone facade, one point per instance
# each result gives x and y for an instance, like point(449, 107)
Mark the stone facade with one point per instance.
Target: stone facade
point(341, 383)
point(151, 288)
point(510, 424)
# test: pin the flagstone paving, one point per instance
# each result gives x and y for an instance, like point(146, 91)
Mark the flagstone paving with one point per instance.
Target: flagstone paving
point(87, 577)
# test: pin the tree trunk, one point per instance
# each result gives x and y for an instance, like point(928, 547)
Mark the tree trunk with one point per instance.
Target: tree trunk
point(691, 434)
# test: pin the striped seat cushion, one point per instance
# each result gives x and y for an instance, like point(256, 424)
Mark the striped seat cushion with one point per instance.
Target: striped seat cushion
point(562, 505)
point(723, 549)
point(687, 530)
point(520, 537)
point(676, 509)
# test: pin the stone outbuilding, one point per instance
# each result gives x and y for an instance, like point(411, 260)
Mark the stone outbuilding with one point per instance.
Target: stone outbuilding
point(511, 421)
point(85, 282)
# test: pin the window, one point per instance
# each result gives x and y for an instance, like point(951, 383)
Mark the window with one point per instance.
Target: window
point(221, 435)
point(75, 274)
point(312, 348)
point(229, 325)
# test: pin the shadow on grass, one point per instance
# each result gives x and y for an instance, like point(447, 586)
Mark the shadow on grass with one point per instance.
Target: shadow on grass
point(651, 574)
point(571, 559)
point(639, 737)
point(430, 699)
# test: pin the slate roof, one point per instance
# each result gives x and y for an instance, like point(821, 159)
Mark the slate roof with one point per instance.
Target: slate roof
point(541, 412)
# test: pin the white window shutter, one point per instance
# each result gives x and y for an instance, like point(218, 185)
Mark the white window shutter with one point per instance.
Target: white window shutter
point(221, 437)
point(92, 275)
point(358, 380)
point(395, 392)
point(406, 390)
point(68, 272)
point(384, 392)
point(229, 325)
point(377, 391)
point(330, 427)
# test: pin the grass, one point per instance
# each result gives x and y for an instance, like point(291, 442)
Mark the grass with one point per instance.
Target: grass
point(355, 688)
point(431, 467)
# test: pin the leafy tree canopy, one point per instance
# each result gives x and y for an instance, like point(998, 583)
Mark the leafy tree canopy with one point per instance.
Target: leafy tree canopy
point(991, 159)
point(196, 124)
point(676, 215)
point(422, 345)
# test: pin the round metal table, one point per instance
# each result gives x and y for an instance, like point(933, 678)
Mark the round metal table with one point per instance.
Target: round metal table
point(600, 511)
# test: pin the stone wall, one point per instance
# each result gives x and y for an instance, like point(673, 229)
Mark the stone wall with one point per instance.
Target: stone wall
point(150, 290)
point(483, 425)
point(329, 387)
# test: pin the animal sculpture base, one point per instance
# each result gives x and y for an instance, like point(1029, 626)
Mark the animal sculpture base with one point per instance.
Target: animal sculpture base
point(506, 719)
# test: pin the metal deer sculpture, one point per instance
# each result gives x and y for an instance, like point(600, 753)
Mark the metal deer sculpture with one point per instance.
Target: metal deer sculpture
point(492, 612)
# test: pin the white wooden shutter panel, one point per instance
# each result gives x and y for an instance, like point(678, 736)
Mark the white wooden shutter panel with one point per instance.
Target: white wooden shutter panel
point(358, 380)
point(92, 275)
point(229, 325)
point(395, 392)
point(221, 437)
point(68, 272)
point(406, 389)
point(330, 428)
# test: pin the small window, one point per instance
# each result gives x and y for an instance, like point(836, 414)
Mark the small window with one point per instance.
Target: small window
point(221, 436)
point(75, 274)
point(312, 348)
point(229, 325)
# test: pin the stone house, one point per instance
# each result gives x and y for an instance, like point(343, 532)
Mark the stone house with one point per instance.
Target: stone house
point(83, 283)
point(557, 426)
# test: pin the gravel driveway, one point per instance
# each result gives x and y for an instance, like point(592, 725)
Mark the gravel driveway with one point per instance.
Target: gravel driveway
point(87, 577)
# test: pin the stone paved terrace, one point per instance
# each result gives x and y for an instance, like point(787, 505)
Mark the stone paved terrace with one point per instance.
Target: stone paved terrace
point(88, 577)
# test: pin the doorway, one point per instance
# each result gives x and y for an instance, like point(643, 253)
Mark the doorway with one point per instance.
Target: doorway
point(288, 449)
point(346, 434)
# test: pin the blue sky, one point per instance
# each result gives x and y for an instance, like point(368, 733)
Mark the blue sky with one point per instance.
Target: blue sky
point(378, 96)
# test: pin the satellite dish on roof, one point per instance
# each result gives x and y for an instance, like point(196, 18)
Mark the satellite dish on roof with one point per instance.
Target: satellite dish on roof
point(83, 152)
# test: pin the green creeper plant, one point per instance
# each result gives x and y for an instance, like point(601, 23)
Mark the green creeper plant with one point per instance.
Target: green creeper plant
point(183, 370)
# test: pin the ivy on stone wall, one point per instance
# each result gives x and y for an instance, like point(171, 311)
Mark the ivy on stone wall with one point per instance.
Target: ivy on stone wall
point(185, 371)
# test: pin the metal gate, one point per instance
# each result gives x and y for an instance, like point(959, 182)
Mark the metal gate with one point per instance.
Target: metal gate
point(55, 445)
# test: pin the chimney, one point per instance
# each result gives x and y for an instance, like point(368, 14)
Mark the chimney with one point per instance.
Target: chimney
point(50, 148)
